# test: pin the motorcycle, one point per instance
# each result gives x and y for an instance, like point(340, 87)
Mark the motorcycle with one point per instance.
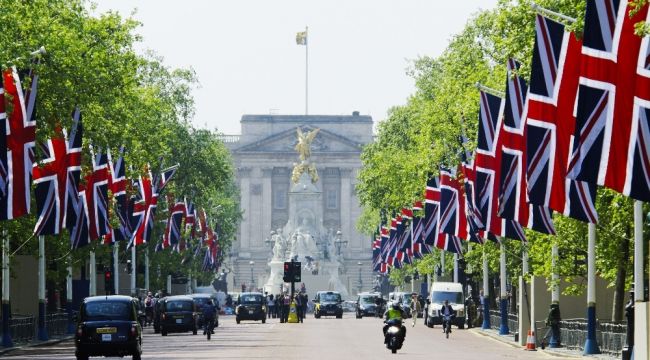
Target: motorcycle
point(393, 336)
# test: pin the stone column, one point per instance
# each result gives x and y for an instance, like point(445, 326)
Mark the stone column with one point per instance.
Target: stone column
point(245, 233)
point(267, 203)
point(347, 227)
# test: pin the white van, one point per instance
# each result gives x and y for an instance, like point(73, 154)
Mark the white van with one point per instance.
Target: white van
point(441, 291)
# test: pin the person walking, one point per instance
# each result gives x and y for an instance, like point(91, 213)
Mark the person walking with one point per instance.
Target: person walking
point(270, 303)
point(298, 302)
point(286, 302)
point(415, 308)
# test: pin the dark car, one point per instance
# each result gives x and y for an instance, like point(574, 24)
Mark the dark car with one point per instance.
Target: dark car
point(199, 301)
point(328, 303)
point(108, 326)
point(366, 304)
point(251, 306)
point(178, 314)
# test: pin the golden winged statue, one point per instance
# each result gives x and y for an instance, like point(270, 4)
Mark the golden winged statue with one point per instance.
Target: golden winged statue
point(303, 147)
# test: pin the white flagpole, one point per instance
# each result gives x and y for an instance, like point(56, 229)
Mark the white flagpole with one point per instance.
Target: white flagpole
point(116, 268)
point(503, 329)
point(640, 306)
point(306, 70)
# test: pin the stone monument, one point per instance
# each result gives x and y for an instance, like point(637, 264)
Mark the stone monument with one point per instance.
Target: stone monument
point(304, 238)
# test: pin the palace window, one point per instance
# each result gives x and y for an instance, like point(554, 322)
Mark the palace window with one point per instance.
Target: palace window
point(280, 198)
point(332, 199)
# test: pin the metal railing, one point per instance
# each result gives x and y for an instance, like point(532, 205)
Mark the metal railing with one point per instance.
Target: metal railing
point(56, 324)
point(229, 138)
point(22, 328)
point(495, 321)
point(611, 337)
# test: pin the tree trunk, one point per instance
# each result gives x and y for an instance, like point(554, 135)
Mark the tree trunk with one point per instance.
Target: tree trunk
point(619, 288)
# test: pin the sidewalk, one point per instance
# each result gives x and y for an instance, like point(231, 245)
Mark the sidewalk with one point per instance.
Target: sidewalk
point(36, 344)
point(557, 352)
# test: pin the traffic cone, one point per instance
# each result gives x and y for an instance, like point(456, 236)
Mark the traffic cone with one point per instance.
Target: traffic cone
point(530, 341)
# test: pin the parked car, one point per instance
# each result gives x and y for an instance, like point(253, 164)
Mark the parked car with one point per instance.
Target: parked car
point(328, 303)
point(157, 311)
point(178, 314)
point(366, 304)
point(199, 301)
point(441, 291)
point(251, 306)
point(108, 326)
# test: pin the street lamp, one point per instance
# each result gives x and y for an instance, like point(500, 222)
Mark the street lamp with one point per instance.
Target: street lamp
point(360, 280)
point(252, 264)
point(338, 242)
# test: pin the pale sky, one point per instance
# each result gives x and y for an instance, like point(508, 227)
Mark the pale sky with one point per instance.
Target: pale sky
point(247, 61)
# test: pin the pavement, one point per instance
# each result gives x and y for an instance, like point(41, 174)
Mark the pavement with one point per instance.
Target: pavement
point(562, 352)
point(325, 338)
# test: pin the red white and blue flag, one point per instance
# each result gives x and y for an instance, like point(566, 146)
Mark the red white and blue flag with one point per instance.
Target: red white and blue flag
point(417, 240)
point(513, 196)
point(612, 133)
point(487, 164)
point(56, 180)
point(550, 123)
point(384, 251)
point(18, 153)
point(92, 206)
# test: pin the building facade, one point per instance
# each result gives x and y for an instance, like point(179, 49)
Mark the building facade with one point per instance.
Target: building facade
point(264, 157)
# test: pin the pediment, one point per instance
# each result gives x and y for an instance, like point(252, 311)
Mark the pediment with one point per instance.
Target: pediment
point(285, 141)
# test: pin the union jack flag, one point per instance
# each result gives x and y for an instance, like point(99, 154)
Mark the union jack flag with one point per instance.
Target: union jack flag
point(144, 210)
point(417, 241)
point(190, 218)
point(56, 178)
point(449, 243)
point(431, 214)
point(376, 253)
point(392, 242)
point(123, 205)
point(550, 123)
point(613, 108)
point(92, 206)
point(513, 197)
point(384, 252)
point(177, 216)
point(453, 219)
point(17, 160)
point(405, 253)
point(487, 164)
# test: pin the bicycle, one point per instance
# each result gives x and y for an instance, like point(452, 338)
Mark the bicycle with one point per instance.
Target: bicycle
point(446, 324)
point(208, 327)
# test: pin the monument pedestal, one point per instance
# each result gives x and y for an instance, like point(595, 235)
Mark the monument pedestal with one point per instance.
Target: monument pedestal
point(275, 283)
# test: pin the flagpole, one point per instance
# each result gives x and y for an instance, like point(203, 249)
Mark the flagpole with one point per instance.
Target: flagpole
point(640, 306)
point(306, 70)
point(591, 343)
point(42, 332)
point(146, 269)
point(503, 298)
point(133, 271)
point(486, 292)
point(68, 297)
point(6, 307)
point(554, 341)
point(116, 267)
point(93, 274)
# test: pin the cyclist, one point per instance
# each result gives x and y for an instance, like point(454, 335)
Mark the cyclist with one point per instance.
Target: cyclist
point(447, 313)
point(208, 317)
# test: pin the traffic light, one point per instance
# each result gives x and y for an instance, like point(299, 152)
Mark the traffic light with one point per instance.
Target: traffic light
point(292, 271)
point(295, 276)
point(108, 282)
point(287, 272)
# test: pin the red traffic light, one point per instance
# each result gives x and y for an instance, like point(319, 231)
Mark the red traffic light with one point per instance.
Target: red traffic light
point(107, 275)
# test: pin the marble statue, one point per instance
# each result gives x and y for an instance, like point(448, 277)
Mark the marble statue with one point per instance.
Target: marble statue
point(278, 246)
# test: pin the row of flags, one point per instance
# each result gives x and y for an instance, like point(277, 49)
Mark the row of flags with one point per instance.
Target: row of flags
point(583, 122)
point(67, 200)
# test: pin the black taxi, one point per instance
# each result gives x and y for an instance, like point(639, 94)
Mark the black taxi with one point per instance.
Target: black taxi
point(178, 314)
point(108, 326)
point(251, 306)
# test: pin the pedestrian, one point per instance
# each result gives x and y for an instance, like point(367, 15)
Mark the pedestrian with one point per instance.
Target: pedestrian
point(286, 301)
point(305, 300)
point(415, 308)
point(271, 306)
point(298, 302)
point(278, 306)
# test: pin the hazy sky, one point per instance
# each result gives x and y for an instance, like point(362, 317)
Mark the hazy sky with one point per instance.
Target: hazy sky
point(245, 55)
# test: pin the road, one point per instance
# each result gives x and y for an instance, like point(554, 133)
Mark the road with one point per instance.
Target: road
point(325, 338)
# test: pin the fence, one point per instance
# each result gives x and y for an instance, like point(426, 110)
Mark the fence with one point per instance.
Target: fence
point(23, 328)
point(611, 337)
point(495, 321)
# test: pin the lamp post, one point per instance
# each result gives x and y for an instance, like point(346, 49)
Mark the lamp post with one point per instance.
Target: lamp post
point(360, 280)
point(338, 242)
point(252, 264)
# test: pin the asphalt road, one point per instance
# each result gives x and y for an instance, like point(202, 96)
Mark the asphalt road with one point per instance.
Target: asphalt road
point(325, 338)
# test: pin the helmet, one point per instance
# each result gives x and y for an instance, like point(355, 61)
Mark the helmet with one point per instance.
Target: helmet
point(396, 306)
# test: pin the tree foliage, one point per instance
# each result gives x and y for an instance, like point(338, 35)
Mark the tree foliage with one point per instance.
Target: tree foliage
point(126, 99)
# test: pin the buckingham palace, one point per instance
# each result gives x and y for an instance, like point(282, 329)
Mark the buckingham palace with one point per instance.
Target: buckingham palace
point(264, 157)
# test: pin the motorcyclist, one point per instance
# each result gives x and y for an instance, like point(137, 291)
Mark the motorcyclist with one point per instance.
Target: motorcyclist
point(445, 311)
point(208, 311)
point(394, 313)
